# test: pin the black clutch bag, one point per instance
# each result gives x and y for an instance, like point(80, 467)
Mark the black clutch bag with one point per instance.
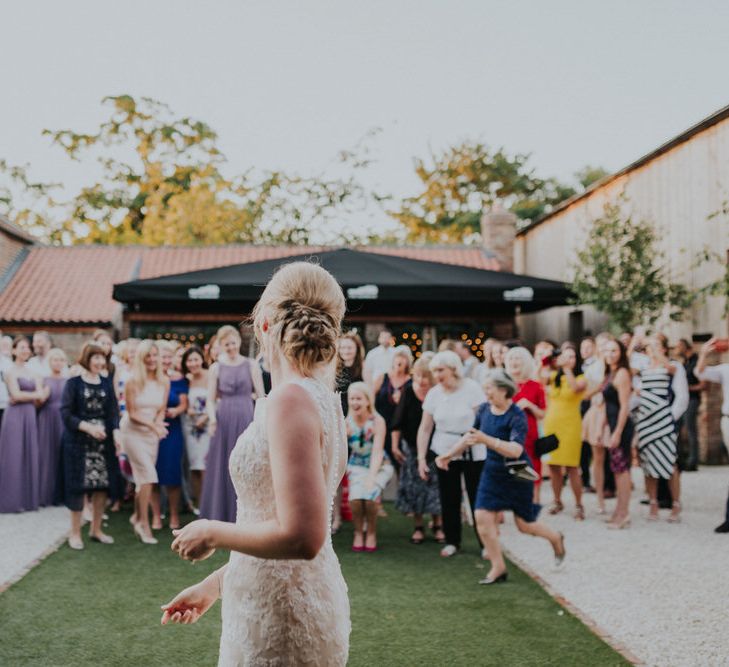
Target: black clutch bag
point(522, 470)
point(545, 445)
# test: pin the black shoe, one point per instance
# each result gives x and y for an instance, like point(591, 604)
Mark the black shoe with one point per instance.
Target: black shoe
point(724, 528)
point(691, 468)
point(499, 580)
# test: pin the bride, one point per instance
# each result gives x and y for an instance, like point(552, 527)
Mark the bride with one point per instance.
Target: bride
point(284, 600)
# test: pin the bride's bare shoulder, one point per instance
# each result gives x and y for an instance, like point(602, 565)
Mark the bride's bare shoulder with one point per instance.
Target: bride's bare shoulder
point(291, 400)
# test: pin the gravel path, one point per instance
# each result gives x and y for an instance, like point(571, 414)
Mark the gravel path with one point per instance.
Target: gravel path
point(27, 538)
point(659, 589)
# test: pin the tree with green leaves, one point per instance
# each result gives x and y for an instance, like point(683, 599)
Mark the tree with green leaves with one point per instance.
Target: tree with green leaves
point(162, 182)
point(621, 272)
point(589, 175)
point(459, 184)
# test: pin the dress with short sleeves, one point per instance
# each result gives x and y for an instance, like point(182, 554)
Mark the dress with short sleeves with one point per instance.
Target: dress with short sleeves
point(498, 490)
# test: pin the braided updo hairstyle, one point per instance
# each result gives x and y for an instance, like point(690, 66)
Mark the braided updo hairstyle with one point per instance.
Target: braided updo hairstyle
point(304, 306)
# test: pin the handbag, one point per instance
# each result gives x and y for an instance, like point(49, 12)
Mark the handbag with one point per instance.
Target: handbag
point(522, 470)
point(545, 445)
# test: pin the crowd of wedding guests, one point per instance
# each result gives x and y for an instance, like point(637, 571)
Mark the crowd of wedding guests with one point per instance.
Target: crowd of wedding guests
point(581, 414)
point(154, 423)
point(147, 421)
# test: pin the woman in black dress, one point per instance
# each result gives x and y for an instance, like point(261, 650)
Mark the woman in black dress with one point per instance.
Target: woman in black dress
point(388, 388)
point(616, 391)
point(415, 496)
point(350, 367)
point(350, 364)
point(91, 421)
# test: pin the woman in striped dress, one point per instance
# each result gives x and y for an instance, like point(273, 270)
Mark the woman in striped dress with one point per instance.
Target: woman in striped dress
point(657, 439)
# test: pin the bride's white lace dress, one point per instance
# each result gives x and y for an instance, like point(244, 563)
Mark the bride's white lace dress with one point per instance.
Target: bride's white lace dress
point(284, 612)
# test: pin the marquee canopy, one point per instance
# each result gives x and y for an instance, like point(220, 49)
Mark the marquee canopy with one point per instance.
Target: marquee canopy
point(373, 282)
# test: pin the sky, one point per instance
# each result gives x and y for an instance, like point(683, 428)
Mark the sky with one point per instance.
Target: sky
point(288, 84)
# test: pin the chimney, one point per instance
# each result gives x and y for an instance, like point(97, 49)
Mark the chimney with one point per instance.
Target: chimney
point(498, 231)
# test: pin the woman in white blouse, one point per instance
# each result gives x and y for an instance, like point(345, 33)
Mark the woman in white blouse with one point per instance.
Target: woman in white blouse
point(449, 410)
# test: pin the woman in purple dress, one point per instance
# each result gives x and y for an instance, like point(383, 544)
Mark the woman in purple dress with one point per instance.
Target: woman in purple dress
point(233, 379)
point(50, 428)
point(19, 482)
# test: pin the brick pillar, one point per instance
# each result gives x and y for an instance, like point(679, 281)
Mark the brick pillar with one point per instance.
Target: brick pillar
point(498, 232)
point(710, 443)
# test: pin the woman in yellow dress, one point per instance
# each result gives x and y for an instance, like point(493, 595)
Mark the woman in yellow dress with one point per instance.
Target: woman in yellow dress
point(565, 390)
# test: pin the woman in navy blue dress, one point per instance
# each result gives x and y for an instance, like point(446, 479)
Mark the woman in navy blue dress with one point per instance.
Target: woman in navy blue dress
point(502, 427)
point(169, 455)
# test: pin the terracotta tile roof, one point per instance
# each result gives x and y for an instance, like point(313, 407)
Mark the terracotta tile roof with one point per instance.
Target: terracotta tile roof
point(13, 230)
point(165, 261)
point(73, 285)
point(67, 285)
point(473, 257)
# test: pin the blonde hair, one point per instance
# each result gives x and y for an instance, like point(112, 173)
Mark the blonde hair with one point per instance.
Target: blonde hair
point(139, 371)
point(167, 345)
point(448, 359)
point(57, 352)
point(404, 352)
point(227, 330)
point(447, 344)
point(304, 306)
point(528, 365)
point(363, 388)
point(422, 366)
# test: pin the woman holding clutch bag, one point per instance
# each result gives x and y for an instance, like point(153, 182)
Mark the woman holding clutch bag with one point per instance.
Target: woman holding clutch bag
point(502, 427)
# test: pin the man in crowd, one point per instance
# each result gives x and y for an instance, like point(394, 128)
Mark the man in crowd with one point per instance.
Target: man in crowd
point(42, 345)
point(685, 350)
point(379, 359)
point(720, 375)
point(470, 362)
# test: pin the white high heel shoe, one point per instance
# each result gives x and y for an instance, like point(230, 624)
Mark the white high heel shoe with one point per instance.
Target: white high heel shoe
point(146, 539)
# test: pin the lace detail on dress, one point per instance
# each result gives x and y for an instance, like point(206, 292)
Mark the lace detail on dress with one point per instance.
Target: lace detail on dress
point(284, 612)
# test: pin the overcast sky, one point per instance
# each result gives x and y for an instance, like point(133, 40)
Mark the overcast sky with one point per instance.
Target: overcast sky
point(288, 84)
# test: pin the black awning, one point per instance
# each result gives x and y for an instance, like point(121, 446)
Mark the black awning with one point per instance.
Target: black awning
point(366, 277)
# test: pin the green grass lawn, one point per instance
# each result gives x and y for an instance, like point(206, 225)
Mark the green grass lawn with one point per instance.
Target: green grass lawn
point(409, 607)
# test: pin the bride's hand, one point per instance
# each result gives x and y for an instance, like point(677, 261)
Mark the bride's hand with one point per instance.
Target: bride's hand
point(194, 541)
point(189, 605)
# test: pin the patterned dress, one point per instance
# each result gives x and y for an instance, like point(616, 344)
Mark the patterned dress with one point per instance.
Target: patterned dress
point(86, 461)
point(414, 495)
point(361, 443)
point(284, 612)
point(657, 440)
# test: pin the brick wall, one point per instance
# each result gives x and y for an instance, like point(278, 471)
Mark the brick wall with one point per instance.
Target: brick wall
point(710, 444)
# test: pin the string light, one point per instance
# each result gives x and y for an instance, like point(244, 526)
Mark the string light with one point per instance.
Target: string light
point(406, 336)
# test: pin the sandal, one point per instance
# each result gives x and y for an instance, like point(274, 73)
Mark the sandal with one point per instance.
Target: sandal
point(556, 507)
point(579, 513)
point(418, 540)
point(438, 533)
point(653, 512)
point(675, 513)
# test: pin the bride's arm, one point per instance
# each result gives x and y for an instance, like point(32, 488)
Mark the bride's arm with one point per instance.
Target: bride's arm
point(300, 525)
